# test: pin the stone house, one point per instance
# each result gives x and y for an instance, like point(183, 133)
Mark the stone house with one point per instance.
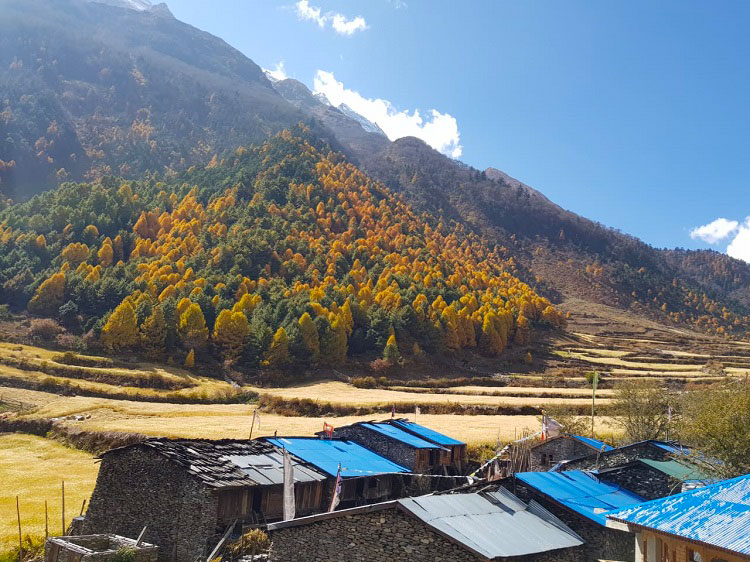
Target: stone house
point(580, 500)
point(652, 479)
point(453, 461)
point(708, 524)
point(395, 444)
point(651, 449)
point(435, 528)
point(189, 491)
point(547, 453)
point(366, 476)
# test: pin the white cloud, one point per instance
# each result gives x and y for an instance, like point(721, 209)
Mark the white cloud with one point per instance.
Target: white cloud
point(339, 22)
point(715, 231)
point(740, 247)
point(347, 27)
point(277, 73)
point(439, 130)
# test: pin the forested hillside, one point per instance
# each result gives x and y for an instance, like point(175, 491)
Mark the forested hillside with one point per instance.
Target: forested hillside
point(271, 255)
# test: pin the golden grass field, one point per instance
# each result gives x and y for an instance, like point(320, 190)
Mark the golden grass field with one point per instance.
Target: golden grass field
point(33, 468)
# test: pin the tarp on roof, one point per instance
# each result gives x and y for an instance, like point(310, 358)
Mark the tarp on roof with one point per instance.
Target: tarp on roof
point(679, 470)
point(593, 443)
point(581, 492)
point(426, 433)
point(327, 454)
point(718, 514)
point(400, 435)
point(493, 525)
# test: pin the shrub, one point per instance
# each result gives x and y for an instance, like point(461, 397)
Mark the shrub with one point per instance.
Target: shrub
point(365, 382)
point(33, 550)
point(4, 312)
point(44, 328)
point(252, 543)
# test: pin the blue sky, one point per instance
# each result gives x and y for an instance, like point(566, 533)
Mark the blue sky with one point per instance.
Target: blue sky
point(634, 114)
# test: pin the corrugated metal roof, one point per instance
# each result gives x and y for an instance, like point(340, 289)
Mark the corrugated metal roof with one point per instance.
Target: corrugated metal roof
point(581, 492)
point(327, 454)
point(593, 443)
point(426, 433)
point(400, 435)
point(718, 514)
point(228, 463)
point(493, 525)
point(679, 470)
point(674, 448)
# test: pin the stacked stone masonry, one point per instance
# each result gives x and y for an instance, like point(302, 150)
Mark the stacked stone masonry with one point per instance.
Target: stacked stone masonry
point(387, 535)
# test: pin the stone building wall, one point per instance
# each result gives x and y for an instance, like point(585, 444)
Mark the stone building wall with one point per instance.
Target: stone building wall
point(600, 543)
point(384, 446)
point(138, 487)
point(618, 457)
point(643, 480)
point(549, 453)
point(386, 535)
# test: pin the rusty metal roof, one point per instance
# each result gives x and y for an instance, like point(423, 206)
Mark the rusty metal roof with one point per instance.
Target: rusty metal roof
point(230, 463)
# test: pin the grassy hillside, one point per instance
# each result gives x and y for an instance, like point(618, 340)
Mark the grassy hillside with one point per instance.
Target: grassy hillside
point(274, 255)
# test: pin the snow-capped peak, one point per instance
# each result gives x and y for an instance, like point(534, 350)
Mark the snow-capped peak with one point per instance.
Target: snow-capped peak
point(138, 5)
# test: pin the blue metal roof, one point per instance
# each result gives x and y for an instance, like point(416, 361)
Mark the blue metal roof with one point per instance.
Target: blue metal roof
point(327, 454)
point(670, 447)
point(493, 525)
point(400, 435)
point(593, 443)
point(718, 515)
point(581, 492)
point(426, 433)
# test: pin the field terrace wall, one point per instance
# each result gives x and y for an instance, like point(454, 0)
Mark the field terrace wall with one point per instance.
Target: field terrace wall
point(448, 528)
point(549, 452)
point(654, 450)
point(189, 491)
point(601, 542)
point(403, 448)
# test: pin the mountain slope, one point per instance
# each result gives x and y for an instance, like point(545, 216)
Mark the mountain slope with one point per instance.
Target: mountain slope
point(280, 253)
point(93, 89)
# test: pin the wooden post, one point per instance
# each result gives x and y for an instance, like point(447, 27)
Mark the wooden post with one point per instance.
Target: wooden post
point(20, 538)
point(62, 533)
point(83, 506)
point(46, 521)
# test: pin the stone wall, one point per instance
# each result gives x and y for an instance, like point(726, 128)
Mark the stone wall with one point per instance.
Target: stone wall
point(384, 446)
point(95, 548)
point(138, 487)
point(548, 453)
point(643, 480)
point(618, 457)
point(600, 543)
point(386, 535)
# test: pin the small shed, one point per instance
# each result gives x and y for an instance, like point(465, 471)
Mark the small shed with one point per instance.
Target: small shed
point(436, 528)
point(580, 499)
point(366, 476)
point(97, 548)
point(454, 461)
point(548, 452)
point(394, 443)
point(189, 491)
point(652, 479)
point(709, 524)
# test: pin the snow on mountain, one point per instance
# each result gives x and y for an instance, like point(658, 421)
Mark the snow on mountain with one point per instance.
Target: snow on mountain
point(367, 125)
point(138, 5)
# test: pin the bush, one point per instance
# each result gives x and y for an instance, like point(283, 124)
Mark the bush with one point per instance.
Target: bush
point(365, 382)
point(252, 543)
point(4, 312)
point(44, 328)
point(33, 549)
